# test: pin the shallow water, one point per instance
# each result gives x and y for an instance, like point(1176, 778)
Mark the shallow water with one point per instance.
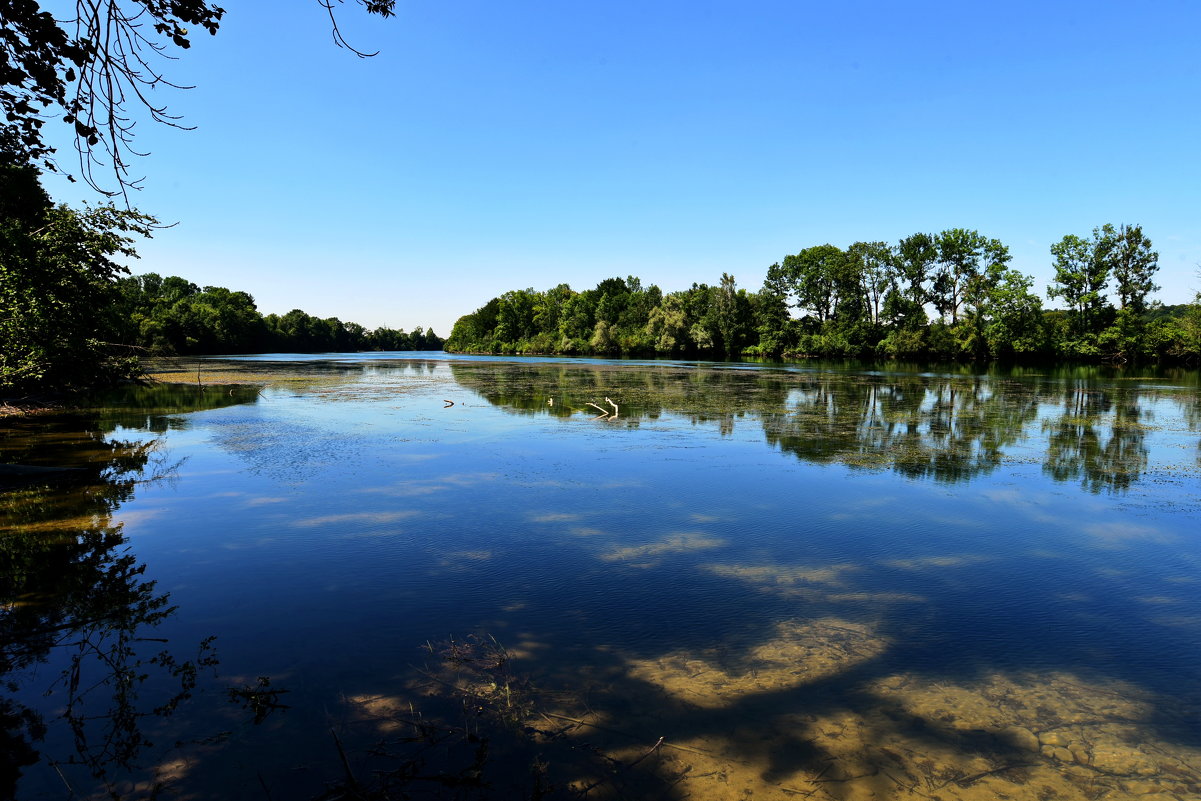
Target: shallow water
point(829, 581)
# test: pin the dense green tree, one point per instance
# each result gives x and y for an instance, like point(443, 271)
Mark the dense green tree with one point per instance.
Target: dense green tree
point(968, 266)
point(866, 301)
point(773, 327)
point(1014, 324)
point(549, 307)
point(1081, 276)
point(58, 284)
point(1127, 254)
point(667, 326)
point(812, 278)
point(875, 265)
point(905, 303)
point(515, 315)
point(915, 258)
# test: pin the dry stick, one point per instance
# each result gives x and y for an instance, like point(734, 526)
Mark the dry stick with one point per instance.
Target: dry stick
point(579, 722)
point(975, 777)
point(652, 750)
point(266, 789)
point(64, 778)
point(614, 405)
point(600, 409)
point(604, 779)
point(345, 762)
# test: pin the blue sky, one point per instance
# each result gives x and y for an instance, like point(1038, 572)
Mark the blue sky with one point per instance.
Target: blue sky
point(492, 146)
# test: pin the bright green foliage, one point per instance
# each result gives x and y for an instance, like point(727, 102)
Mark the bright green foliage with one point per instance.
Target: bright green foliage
point(1128, 255)
point(968, 266)
point(1014, 321)
point(174, 316)
point(870, 300)
point(58, 285)
point(875, 266)
point(812, 279)
point(1081, 276)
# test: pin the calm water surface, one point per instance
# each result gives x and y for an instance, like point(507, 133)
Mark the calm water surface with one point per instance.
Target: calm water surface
point(832, 582)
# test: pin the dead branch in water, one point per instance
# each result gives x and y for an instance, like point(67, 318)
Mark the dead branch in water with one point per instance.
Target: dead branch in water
point(605, 413)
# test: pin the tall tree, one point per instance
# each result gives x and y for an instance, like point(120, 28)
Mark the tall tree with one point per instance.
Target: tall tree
point(57, 282)
point(874, 264)
point(968, 266)
point(731, 310)
point(811, 278)
point(1081, 276)
point(1014, 325)
point(1128, 254)
point(915, 258)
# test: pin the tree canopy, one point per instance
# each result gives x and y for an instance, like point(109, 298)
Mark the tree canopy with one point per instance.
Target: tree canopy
point(871, 299)
point(57, 283)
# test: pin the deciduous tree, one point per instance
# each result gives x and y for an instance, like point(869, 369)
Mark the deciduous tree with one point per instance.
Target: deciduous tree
point(1081, 275)
point(57, 283)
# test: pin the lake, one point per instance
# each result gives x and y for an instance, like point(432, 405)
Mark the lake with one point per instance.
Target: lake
point(422, 575)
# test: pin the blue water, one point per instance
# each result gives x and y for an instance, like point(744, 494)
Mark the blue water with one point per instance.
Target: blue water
point(1027, 530)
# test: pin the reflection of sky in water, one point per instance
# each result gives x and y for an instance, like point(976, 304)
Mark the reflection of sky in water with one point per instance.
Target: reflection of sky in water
point(848, 589)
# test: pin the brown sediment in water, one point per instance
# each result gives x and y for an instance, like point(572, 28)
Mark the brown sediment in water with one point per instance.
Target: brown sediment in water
point(908, 736)
point(780, 722)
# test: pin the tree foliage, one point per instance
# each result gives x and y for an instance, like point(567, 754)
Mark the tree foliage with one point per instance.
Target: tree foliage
point(173, 316)
point(57, 284)
point(870, 300)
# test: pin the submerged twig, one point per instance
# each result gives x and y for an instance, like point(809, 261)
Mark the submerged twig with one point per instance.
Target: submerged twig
point(652, 750)
point(345, 762)
point(975, 777)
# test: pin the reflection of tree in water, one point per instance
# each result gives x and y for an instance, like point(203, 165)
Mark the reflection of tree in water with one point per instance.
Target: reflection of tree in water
point(1191, 407)
point(949, 428)
point(701, 395)
point(72, 595)
point(1098, 438)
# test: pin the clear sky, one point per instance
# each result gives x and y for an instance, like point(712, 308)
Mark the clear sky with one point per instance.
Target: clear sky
point(501, 145)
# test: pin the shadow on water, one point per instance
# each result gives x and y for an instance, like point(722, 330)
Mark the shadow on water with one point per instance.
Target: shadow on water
point(828, 703)
point(1073, 682)
point(77, 616)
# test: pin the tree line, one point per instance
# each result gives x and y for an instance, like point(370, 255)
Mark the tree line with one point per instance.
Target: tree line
point(174, 316)
point(72, 317)
point(950, 295)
